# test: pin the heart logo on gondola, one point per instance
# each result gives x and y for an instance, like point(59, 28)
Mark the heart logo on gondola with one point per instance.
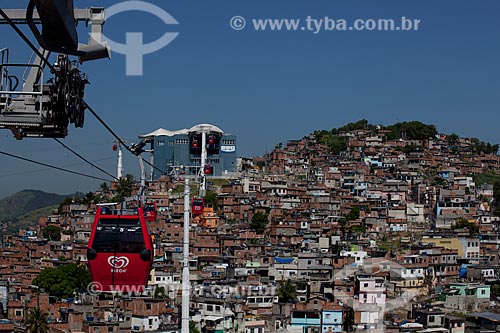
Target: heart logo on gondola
point(118, 262)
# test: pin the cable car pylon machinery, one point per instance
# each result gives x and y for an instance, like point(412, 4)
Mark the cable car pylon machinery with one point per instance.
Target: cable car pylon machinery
point(32, 106)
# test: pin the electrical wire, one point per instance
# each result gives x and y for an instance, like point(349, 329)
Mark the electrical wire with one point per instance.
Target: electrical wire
point(84, 159)
point(53, 166)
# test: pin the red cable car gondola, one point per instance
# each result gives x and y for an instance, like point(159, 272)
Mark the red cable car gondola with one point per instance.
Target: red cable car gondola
point(151, 211)
point(211, 139)
point(197, 205)
point(120, 251)
point(195, 144)
point(208, 170)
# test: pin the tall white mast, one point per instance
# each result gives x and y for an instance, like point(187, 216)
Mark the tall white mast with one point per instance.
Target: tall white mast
point(186, 284)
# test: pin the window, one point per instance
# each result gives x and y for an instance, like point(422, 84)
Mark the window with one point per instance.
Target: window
point(161, 143)
point(181, 141)
point(150, 321)
point(431, 319)
point(148, 306)
point(483, 292)
point(328, 316)
point(365, 285)
point(19, 313)
point(119, 235)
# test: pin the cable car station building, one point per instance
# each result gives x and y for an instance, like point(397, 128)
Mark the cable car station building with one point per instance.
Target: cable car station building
point(180, 152)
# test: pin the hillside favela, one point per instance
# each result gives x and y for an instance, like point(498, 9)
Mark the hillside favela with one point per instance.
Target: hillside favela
point(365, 227)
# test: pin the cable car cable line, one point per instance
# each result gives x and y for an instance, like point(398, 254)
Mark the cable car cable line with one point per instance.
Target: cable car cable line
point(53, 166)
point(119, 139)
point(30, 44)
point(45, 169)
point(84, 159)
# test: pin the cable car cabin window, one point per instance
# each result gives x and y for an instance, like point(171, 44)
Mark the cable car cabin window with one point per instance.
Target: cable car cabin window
point(119, 235)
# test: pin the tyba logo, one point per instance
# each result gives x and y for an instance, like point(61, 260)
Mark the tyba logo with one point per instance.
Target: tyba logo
point(134, 49)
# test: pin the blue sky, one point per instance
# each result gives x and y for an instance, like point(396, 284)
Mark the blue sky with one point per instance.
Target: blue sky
point(269, 87)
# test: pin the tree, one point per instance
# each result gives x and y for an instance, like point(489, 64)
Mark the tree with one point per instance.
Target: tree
point(160, 293)
point(64, 280)
point(453, 139)
point(52, 233)
point(66, 202)
point(124, 187)
point(193, 328)
point(462, 223)
point(353, 214)
point(287, 291)
point(104, 187)
point(90, 197)
point(259, 222)
point(37, 321)
point(495, 290)
point(496, 192)
point(358, 229)
point(211, 199)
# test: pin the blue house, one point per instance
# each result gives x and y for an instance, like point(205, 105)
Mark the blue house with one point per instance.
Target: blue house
point(306, 319)
point(331, 321)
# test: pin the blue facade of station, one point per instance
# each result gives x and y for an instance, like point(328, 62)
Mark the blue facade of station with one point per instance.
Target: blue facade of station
point(175, 151)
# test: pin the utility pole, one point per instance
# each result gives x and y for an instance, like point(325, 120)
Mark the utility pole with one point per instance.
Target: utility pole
point(186, 284)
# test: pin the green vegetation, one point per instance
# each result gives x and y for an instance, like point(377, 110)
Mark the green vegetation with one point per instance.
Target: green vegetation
point(160, 293)
point(359, 125)
point(496, 198)
point(26, 201)
point(124, 188)
point(411, 149)
point(211, 199)
point(413, 130)
point(52, 233)
point(287, 291)
point(484, 147)
point(61, 282)
point(358, 229)
point(453, 139)
point(193, 328)
point(486, 178)
point(353, 214)
point(335, 142)
point(259, 222)
point(495, 290)
point(462, 223)
point(219, 181)
point(37, 321)
point(438, 181)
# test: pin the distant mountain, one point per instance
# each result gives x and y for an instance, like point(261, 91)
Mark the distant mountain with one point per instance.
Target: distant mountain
point(25, 207)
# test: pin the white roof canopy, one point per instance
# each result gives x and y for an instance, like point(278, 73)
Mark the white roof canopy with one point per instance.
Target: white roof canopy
point(197, 128)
